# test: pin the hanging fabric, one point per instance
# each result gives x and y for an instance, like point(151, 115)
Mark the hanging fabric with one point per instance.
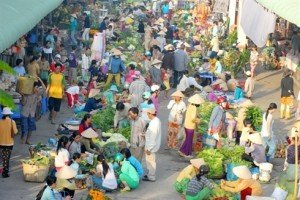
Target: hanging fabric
point(257, 22)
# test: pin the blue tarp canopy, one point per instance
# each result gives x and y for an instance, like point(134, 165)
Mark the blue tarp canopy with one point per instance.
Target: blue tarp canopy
point(17, 17)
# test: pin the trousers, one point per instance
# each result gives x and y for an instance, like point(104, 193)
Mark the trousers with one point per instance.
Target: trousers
point(151, 166)
point(6, 153)
point(110, 77)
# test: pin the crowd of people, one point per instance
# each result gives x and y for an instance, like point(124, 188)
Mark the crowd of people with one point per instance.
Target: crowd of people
point(133, 89)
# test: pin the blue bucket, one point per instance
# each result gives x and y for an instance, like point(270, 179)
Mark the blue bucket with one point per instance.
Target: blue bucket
point(230, 176)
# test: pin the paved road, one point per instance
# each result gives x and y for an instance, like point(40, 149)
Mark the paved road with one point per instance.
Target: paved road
point(169, 163)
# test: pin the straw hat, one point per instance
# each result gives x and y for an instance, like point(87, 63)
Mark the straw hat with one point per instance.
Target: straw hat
point(197, 162)
point(161, 33)
point(248, 73)
point(66, 172)
point(160, 20)
point(113, 88)
point(151, 111)
point(177, 94)
point(154, 62)
point(255, 138)
point(93, 93)
point(196, 99)
point(207, 89)
point(186, 45)
point(6, 111)
point(89, 133)
point(169, 47)
point(74, 15)
point(198, 47)
point(154, 88)
point(116, 52)
point(242, 172)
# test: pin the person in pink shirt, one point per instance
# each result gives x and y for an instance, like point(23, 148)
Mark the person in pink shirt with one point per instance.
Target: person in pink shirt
point(129, 75)
point(154, 96)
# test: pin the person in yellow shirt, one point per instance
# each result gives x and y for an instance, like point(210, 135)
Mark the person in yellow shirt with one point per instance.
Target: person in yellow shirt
point(187, 174)
point(190, 123)
point(244, 185)
point(33, 67)
point(55, 91)
point(8, 129)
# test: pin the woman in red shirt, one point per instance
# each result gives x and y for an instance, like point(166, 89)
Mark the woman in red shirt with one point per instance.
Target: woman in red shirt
point(86, 123)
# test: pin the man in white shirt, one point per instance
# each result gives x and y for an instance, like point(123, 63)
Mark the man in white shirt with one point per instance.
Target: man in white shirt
point(152, 145)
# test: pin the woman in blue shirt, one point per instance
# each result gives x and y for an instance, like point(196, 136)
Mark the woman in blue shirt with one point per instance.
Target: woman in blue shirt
point(238, 92)
point(49, 192)
point(133, 161)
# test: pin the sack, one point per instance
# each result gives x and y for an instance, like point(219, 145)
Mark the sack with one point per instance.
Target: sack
point(40, 194)
point(279, 194)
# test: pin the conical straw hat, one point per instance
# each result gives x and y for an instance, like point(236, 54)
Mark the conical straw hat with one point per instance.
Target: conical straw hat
point(89, 133)
point(196, 99)
point(177, 94)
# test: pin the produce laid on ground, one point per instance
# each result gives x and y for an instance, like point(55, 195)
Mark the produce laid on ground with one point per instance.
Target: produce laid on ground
point(220, 194)
point(104, 119)
point(86, 166)
point(216, 158)
point(280, 150)
point(97, 195)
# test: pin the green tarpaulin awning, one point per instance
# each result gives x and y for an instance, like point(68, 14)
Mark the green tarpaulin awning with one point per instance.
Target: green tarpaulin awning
point(287, 9)
point(17, 17)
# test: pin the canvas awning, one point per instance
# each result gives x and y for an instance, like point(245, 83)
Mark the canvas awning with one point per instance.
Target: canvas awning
point(17, 17)
point(287, 9)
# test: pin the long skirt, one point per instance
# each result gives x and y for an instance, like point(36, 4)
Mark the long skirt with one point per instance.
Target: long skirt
point(187, 146)
point(172, 139)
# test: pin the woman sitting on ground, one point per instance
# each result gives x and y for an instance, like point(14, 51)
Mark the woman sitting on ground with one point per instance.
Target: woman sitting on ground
point(187, 174)
point(85, 123)
point(133, 161)
point(128, 175)
point(49, 191)
point(104, 176)
point(200, 187)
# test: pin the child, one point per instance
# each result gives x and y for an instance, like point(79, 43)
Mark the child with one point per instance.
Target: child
point(104, 177)
point(200, 187)
point(128, 175)
point(154, 96)
point(73, 93)
point(131, 72)
point(133, 161)
point(166, 84)
point(75, 165)
point(187, 174)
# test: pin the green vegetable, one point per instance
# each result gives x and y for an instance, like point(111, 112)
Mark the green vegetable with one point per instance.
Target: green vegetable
point(110, 150)
point(37, 160)
point(234, 155)
point(219, 193)
point(215, 161)
point(104, 119)
point(204, 113)
point(126, 132)
point(254, 114)
point(80, 115)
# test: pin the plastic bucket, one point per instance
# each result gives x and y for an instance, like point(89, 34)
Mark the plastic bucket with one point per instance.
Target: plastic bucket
point(265, 167)
point(230, 176)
